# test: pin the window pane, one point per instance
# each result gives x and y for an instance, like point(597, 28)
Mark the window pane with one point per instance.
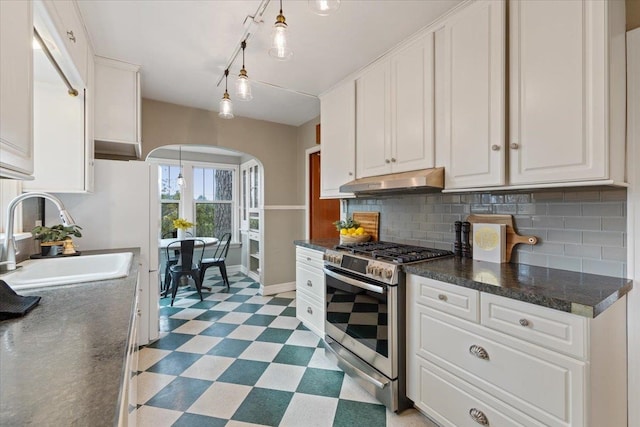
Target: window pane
point(169, 189)
point(213, 219)
point(223, 184)
point(198, 182)
point(169, 213)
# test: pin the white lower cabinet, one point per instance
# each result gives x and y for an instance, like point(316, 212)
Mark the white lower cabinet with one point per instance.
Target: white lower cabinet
point(310, 291)
point(129, 395)
point(517, 364)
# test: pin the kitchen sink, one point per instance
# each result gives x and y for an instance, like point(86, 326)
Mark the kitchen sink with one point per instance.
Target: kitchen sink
point(67, 270)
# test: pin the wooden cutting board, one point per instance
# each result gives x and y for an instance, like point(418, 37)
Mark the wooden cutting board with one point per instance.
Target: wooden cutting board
point(370, 221)
point(513, 238)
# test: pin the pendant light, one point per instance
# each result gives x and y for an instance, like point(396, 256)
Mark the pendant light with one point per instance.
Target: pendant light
point(226, 107)
point(279, 45)
point(243, 84)
point(324, 7)
point(180, 181)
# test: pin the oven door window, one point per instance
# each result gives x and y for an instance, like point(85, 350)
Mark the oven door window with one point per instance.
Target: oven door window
point(359, 313)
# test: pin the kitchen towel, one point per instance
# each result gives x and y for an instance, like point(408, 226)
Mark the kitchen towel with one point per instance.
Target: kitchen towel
point(14, 305)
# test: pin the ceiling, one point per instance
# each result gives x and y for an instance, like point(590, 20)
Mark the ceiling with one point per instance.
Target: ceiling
point(184, 46)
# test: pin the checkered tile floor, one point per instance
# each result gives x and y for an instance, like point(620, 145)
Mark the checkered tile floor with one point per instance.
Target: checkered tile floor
point(241, 359)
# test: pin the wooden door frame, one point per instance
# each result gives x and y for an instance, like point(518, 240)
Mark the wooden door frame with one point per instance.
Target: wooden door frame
point(307, 194)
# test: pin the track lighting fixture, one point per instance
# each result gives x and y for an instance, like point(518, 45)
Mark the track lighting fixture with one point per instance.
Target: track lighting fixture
point(243, 84)
point(226, 107)
point(280, 45)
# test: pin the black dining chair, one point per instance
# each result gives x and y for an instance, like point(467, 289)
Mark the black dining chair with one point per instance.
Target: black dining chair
point(191, 252)
point(172, 259)
point(218, 259)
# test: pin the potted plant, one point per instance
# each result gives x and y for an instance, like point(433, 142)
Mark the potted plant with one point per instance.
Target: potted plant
point(182, 225)
point(52, 238)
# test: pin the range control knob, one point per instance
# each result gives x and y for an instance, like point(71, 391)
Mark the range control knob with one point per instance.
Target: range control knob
point(369, 269)
point(325, 257)
point(379, 271)
point(388, 273)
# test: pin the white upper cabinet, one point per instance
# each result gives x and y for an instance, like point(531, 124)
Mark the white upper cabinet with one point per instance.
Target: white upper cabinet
point(566, 91)
point(412, 106)
point(566, 94)
point(16, 89)
point(117, 107)
point(338, 139)
point(395, 103)
point(70, 29)
point(62, 123)
point(471, 137)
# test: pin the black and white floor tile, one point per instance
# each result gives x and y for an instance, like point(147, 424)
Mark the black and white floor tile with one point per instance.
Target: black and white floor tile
point(241, 359)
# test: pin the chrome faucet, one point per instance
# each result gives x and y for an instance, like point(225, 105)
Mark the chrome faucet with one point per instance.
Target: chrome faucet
point(8, 254)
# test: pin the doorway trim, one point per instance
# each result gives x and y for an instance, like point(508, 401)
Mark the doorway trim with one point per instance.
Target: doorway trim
point(307, 196)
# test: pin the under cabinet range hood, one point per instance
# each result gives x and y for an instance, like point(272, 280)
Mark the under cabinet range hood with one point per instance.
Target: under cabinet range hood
point(424, 180)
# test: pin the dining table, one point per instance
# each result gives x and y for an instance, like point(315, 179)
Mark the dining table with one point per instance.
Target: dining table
point(208, 241)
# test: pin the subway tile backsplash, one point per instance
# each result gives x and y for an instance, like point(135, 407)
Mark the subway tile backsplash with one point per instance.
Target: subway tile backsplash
point(579, 229)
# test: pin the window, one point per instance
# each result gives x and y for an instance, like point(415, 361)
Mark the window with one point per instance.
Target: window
point(209, 201)
point(169, 198)
point(213, 201)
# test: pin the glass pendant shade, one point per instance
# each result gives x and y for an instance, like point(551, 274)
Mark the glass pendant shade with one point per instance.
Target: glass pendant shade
point(280, 44)
point(324, 7)
point(180, 181)
point(243, 86)
point(226, 107)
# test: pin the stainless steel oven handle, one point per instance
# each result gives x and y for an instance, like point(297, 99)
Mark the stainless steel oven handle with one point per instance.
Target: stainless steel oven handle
point(356, 283)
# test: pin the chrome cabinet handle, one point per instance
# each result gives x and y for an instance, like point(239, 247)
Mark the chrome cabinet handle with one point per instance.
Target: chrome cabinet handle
point(514, 146)
point(393, 160)
point(495, 147)
point(309, 310)
point(442, 297)
point(478, 416)
point(523, 322)
point(308, 259)
point(139, 312)
point(479, 352)
point(387, 161)
point(350, 173)
point(71, 36)
point(309, 283)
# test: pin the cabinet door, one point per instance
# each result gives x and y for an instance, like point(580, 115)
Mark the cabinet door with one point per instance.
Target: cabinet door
point(557, 91)
point(474, 90)
point(412, 139)
point(71, 29)
point(373, 153)
point(16, 74)
point(117, 99)
point(338, 139)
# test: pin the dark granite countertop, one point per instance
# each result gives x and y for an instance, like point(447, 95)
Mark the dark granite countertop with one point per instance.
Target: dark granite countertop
point(62, 364)
point(578, 293)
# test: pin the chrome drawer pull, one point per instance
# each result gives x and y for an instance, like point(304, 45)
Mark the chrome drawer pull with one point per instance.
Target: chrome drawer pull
point(478, 416)
point(442, 297)
point(71, 36)
point(523, 322)
point(309, 283)
point(309, 310)
point(308, 259)
point(479, 352)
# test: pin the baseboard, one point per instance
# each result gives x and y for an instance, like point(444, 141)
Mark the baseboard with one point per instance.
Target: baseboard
point(233, 269)
point(277, 289)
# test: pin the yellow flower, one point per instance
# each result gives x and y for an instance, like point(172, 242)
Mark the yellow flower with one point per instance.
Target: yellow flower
point(182, 223)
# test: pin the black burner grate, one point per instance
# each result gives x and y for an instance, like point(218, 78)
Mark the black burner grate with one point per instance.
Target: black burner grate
point(394, 252)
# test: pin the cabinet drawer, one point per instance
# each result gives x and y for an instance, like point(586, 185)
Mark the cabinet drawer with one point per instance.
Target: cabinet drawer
point(310, 257)
point(310, 280)
point(549, 328)
point(455, 300)
point(310, 312)
point(544, 385)
point(451, 401)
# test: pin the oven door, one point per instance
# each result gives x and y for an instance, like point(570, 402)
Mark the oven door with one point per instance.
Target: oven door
point(362, 317)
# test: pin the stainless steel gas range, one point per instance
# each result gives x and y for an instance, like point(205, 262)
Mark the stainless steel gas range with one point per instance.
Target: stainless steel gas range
point(365, 317)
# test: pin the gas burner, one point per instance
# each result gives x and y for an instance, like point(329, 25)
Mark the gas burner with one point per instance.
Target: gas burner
point(393, 252)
